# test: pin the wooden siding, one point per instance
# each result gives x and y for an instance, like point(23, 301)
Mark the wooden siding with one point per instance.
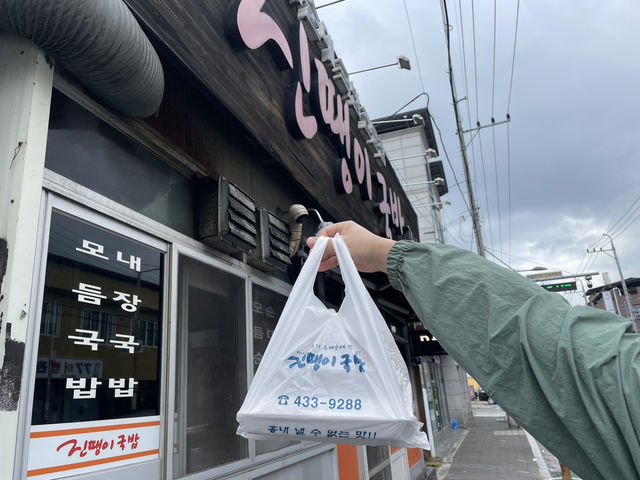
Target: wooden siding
point(248, 86)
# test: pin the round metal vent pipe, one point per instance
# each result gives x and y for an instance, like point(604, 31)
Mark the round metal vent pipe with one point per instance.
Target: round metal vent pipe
point(99, 42)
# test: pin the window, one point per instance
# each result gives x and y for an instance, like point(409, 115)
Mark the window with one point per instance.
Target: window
point(51, 315)
point(88, 151)
point(93, 384)
point(102, 322)
point(379, 463)
point(95, 281)
point(211, 371)
point(146, 331)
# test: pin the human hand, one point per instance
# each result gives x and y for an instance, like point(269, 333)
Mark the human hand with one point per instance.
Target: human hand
point(368, 251)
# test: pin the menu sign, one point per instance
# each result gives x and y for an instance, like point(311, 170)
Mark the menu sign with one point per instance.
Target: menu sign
point(98, 353)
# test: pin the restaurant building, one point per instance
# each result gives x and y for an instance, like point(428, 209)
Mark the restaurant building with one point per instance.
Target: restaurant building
point(161, 164)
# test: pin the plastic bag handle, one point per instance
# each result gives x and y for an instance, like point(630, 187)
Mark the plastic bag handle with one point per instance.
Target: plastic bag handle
point(354, 288)
point(307, 276)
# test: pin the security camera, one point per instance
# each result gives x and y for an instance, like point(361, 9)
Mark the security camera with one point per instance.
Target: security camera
point(438, 181)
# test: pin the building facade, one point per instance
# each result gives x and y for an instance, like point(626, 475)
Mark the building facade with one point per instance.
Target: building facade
point(162, 163)
point(610, 297)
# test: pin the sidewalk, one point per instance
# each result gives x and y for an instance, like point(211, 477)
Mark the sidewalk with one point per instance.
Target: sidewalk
point(487, 449)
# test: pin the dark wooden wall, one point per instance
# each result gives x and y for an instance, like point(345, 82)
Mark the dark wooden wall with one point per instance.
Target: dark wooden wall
point(245, 106)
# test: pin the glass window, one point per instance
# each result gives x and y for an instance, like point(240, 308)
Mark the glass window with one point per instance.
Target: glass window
point(90, 152)
point(92, 368)
point(211, 367)
point(379, 462)
point(51, 315)
point(267, 307)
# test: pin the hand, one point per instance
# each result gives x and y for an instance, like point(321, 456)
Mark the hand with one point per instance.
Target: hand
point(368, 251)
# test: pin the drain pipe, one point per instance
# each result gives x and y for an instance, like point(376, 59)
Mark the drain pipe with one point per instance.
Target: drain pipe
point(99, 42)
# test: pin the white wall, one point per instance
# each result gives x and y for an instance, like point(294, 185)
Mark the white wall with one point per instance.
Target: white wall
point(25, 96)
point(458, 398)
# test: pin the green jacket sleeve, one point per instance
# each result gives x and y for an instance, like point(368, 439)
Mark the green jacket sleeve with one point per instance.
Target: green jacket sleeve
point(569, 375)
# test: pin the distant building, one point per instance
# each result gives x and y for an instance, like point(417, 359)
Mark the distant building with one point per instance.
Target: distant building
point(611, 297)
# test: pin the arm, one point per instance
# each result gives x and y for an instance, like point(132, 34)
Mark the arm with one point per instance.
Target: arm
point(569, 375)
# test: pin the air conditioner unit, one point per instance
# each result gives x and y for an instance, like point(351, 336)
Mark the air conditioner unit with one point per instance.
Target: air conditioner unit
point(273, 243)
point(226, 217)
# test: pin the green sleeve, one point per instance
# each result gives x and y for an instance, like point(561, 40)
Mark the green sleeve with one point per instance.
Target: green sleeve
point(569, 375)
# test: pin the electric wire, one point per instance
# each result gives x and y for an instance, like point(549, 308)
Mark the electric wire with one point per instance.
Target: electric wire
point(493, 81)
point(513, 58)
point(624, 214)
point(479, 136)
point(509, 188)
point(495, 165)
point(455, 110)
point(475, 62)
point(413, 42)
point(455, 177)
point(628, 225)
point(466, 92)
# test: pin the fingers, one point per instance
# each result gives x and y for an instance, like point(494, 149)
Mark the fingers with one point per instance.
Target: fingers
point(333, 229)
point(328, 264)
point(329, 259)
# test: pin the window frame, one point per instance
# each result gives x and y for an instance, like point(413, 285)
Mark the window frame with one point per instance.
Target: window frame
point(50, 203)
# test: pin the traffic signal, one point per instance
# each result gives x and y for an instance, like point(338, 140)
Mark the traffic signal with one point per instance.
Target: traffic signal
point(560, 287)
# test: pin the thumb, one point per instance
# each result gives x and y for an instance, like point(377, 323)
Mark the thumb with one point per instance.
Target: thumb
point(311, 241)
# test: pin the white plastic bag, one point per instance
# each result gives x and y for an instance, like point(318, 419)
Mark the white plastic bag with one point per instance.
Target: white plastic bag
point(331, 376)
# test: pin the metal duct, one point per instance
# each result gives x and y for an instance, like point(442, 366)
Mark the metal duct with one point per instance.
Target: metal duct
point(98, 41)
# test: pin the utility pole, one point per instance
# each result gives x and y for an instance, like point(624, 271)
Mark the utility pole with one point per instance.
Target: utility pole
point(624, 283)
point(477, 228)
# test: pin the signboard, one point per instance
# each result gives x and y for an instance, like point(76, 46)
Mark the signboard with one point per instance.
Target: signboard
point(560, 287)
point(608, 301)
point(542, 276)
point(319, 101)
point(97, 387)
point(425, 344)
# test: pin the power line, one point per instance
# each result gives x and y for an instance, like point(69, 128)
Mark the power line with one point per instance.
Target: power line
point(612, 229)
point(509, 185)
point(475, 74)
point(465, 164)
point(464, 199)
point(495, 166)
point(513, 59)
point(475, 62)
point(466, 90)
point(628, 225)
point(493, 81)
point(413, 42)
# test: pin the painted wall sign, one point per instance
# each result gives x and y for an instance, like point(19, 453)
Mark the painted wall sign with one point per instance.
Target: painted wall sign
point(313, 103)
point(66, 449)
point(98, 352)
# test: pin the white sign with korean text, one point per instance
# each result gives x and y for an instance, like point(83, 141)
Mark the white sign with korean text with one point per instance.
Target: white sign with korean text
point(66, 449)
point(608, 302)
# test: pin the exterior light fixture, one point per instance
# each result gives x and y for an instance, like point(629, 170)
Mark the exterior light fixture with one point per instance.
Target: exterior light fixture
point(402, 61)
point(436, 204)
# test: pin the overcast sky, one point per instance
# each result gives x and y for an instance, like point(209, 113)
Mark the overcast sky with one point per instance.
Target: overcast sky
point(574, 133)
